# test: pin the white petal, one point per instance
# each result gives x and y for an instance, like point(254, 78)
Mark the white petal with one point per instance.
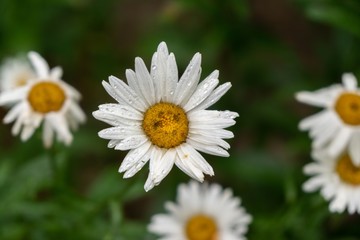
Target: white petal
point(27, 132)
point(134, 156)
point(70, 90)
point(18, 123)
point(40, 65)
point(188, 81)
point(340, 141)
point(145, 81)
point(314, 99)
point(209, 141)
point(128, 95)
point(172, 78)
point(349, 81)
point(313, 184)
point(136, 167)
point(59, 124)
point(203, 90)
point(182, 162)
point(326, 136)
point(354, 148)
point(315, 119)
point(56, 73)
point(134, 84)
point(160, 167)
point(338, 204)
point(313, 168)
point(211, 119)
point(114, 120)
point(48, 134)
point(164, 224)
point(13, 95)
point(217, 133)
point(14, 112)
point(121, 111)
point(149, 184)
point(77, 112)
point(214, 96)
point(209, 149)
point(138, 164)
point(131, 142)
point(119, 97)
point(197, 159)
point(158, 70)
point(119, 132)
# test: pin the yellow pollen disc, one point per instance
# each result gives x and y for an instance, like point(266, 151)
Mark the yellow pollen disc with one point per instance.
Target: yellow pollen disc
point(166, 125)
point(201, 227)
point(46, 97)
point(347, 107)
point(347, 171)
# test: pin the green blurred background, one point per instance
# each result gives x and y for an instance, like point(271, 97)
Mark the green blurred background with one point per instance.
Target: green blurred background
point(267, 49)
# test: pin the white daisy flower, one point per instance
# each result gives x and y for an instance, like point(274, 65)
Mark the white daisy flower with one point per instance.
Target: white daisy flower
point(161, 118)
point(15, 72)
point(338, 180)
point(45, 98)
point(337, 127)
point(202, 212)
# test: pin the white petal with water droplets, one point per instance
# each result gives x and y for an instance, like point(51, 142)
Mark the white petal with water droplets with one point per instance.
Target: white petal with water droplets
point(172, 79)
point(203, 90)
point(119, 132)
point(188, 81)
point(134, 156)
point(127, 94)
point(131, 142)
point(214, 96)
point(145, 81)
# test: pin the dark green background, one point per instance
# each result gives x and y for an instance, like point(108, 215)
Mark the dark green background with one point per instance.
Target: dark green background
point(267, 49)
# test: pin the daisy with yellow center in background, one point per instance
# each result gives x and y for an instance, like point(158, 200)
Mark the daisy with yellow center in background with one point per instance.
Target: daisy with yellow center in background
point(336, 129)
point(161, 118)
point(45, 98)
point(15, 72)
point(338, 180)
point(202, 212)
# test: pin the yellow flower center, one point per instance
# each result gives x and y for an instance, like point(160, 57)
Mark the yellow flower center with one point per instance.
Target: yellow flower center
point(166, 125)
point(46, 96)
point(347, 107)
point(347, 171)
point(201, 227)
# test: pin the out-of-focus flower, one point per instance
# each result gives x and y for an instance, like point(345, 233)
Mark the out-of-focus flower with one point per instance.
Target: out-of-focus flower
point(337, 127)
point(202, 212)
point(45, 98)
point(338, 180)
point(161, 118)
point(15, 72)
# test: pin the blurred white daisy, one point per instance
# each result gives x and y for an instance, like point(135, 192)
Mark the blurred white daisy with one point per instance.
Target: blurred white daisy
point(45, 98)
point(161, 118)
point(15, 72)
point(338, 180)
point(337, 127)
point(202, 212)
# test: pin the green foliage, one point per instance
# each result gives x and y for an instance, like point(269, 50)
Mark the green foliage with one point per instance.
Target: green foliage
point(268, 50)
